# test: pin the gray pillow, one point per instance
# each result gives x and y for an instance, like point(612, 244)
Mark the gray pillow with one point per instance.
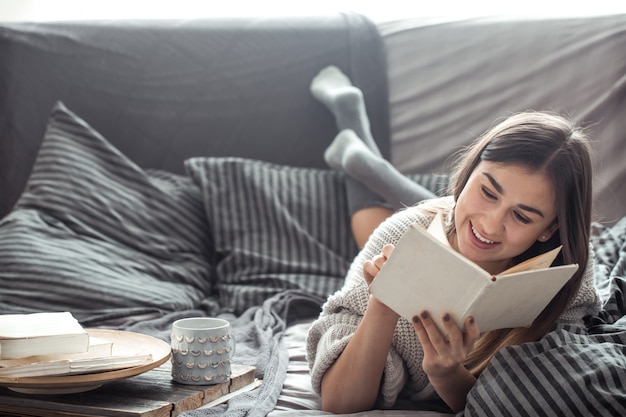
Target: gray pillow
point(277, 227)
point(274, 227)
point(93, 231)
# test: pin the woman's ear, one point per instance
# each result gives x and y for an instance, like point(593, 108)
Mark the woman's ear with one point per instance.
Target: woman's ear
point(547, 234)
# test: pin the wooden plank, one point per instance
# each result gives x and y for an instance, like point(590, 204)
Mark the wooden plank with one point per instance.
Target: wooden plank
point(241, 375)
point(225, 398)
point(151, 394)
point(69, 410)
point(155, 384)
point(28, 405)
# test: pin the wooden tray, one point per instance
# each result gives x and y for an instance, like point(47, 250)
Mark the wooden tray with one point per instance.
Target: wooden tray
point(124, 343)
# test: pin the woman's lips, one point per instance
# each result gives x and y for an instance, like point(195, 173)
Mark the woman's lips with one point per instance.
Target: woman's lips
point(479, 240)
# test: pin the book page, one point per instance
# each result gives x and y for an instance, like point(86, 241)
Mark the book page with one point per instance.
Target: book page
point(538, 262)
point(516, 300)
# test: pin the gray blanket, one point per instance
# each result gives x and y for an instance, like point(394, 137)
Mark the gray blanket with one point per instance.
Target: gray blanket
point(258, 332)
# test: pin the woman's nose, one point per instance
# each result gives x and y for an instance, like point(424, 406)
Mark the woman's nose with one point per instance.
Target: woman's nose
point(493, 223)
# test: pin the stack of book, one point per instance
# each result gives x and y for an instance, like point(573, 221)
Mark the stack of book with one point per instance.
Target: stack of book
point(47, 344)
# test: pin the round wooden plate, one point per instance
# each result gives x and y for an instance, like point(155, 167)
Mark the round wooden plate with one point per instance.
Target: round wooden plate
point(124, 343)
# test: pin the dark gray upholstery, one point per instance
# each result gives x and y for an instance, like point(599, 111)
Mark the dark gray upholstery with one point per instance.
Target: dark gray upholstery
point(163, 91)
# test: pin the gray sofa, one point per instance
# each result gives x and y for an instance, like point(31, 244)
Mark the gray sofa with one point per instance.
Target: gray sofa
point(152, 170)
point(162, 91)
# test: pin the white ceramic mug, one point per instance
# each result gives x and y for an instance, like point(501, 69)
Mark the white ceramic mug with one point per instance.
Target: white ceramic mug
point(202, 348)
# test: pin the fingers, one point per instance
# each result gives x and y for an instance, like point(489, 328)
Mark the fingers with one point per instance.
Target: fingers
point(369, 271)
point(459, 345)
point(453, 342)
point(471, 335)
point(387, 249)
point(422, 334)
point(379, 260)
point(428, 333)
point(455, 336)
point(373, 266)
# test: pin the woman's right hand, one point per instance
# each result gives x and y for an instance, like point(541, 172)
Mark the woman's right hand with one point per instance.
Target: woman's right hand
point(372, 267)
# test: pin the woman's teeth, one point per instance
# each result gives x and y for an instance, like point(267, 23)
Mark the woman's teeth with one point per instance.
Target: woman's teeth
point(482, 239)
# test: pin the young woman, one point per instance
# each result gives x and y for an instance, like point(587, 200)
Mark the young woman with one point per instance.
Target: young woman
point(522, 188)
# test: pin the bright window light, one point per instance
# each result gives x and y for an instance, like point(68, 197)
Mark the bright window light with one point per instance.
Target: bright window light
point(385, 10)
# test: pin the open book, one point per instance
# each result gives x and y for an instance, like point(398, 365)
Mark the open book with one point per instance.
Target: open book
point(426, 273)
point(23, 335)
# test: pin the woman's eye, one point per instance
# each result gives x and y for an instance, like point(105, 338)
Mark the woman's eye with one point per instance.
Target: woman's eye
point(522, 218)
point(488, 193)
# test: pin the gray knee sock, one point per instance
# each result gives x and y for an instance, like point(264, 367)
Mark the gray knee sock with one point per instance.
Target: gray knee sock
point(335, 90)
point(349, 154)
point(359, 196)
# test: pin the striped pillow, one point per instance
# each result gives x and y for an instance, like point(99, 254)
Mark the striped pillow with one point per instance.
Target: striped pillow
point(94, 231)
point(567, 373)
point(277, 227)
point(437, 183)
point(274, 228)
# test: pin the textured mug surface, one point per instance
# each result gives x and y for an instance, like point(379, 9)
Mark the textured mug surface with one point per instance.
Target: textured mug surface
point(202, 348)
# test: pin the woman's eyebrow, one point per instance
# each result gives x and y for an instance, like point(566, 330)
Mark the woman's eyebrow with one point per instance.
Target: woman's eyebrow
point(493, 182)
point(531, 209)
point(500, 190)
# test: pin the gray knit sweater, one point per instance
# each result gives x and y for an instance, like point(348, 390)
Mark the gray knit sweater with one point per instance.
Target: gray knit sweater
point(343, 311)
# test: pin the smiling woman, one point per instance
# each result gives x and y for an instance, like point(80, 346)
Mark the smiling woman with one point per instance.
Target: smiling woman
point(502, 210)
point(509, 201)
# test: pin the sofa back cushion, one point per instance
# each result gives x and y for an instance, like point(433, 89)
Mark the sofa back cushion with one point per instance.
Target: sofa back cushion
point(163, 91)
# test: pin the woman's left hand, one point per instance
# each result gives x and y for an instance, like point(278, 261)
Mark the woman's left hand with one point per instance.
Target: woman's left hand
point(444, 355)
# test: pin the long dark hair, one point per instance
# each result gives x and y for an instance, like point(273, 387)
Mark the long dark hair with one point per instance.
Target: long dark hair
point(543, 142)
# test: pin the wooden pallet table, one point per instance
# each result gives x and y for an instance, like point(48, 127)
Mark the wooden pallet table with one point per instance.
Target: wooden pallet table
point(151, 394)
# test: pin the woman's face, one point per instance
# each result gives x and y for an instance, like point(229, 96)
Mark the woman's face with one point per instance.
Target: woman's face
point(501, 212)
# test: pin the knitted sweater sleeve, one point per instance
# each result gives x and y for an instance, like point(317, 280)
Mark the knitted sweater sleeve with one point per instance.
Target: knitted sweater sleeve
point(343, 311)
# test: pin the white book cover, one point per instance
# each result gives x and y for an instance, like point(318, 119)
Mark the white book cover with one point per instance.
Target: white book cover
point(426, 273)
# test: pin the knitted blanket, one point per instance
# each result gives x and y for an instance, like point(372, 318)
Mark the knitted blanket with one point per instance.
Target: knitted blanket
point(258, 332)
